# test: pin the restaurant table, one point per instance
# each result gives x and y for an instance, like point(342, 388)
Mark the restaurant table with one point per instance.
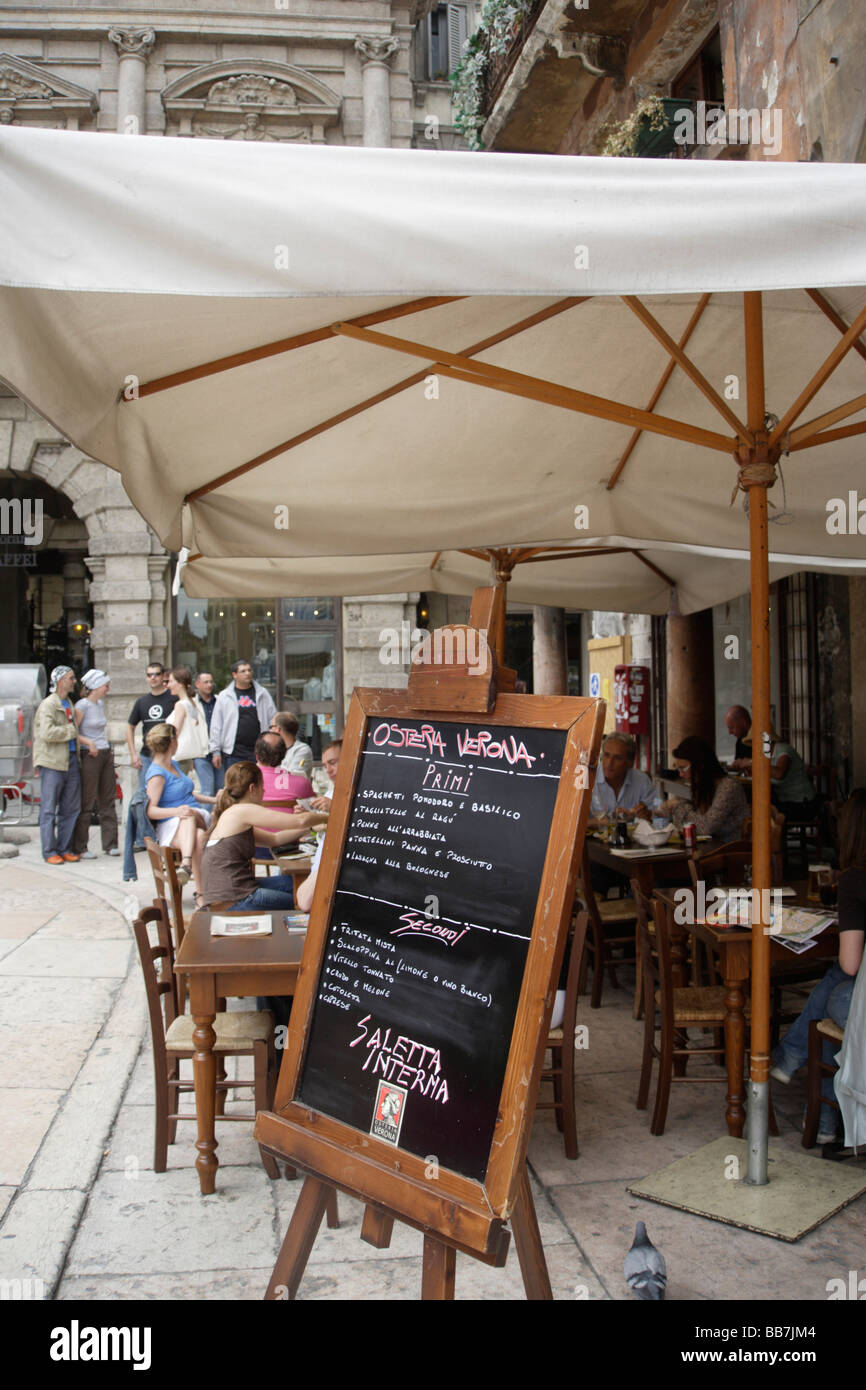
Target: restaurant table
point(734, 948)
point(669, 861)
point(221, 967)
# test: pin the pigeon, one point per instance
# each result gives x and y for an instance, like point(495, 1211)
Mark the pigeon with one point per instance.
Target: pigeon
point(644, 1268)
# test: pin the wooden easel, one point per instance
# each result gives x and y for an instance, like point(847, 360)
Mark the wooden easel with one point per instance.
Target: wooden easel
point(454, 1212)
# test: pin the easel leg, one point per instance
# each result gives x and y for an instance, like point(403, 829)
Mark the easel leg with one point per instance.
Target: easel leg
point(377, 1227)
point(440, 1263)
point(331, 1212)
point(527, 1238)
point(300, 1237)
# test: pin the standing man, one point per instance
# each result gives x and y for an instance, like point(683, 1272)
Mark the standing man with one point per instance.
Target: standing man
point(330, 762)
point(149, 710)
point(56, 737)
point(738, 722)
point(210, 780)
point(243, 711)
point(299, 755)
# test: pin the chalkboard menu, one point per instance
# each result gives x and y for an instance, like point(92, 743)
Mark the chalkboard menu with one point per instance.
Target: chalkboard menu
point(429, 933)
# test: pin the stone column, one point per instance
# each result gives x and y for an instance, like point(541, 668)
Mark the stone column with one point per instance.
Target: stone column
point(549, 657)
point(376, 55)
point(691, 690)
point(134, 47)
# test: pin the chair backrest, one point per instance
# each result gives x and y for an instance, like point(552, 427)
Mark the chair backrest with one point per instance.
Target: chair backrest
point(157, 965)
point(572, 979)
point(655, 955)
point(584, 889)
point(163, 862)
point(725, 868)
point(824, 778)
point(777, 841)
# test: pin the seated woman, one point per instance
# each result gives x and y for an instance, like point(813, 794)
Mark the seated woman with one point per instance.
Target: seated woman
point(791, 787)
point(240, 823)
point(279, 785)
point(718, 803)
point(831, 997)
point(173, 804)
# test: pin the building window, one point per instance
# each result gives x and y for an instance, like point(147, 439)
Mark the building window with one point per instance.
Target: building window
point(310, 664)
point(213, 633)
point(440, 38)
point(702, 79)
point(799, 712)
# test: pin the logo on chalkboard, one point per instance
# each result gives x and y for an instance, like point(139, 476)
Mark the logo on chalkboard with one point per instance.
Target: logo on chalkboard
point(388, 1115)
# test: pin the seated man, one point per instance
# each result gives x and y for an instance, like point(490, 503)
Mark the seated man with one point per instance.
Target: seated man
point(619, 786)
point(330, 761)
point(279, 784)
point(738, 722)
point(297, 755)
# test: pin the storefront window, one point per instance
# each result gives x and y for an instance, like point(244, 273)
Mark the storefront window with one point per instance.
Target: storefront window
point(213, 633)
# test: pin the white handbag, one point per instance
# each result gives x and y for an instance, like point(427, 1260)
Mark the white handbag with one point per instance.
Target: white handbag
point(192, 740)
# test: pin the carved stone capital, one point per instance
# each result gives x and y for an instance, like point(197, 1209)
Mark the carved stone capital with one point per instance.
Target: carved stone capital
point(373, 50)
point(133, 43)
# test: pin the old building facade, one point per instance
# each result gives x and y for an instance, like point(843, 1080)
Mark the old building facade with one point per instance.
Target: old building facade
point(97, 588)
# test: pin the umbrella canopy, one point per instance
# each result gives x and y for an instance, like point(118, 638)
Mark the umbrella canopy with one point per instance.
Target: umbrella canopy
point(615, 579)
point(339, 351)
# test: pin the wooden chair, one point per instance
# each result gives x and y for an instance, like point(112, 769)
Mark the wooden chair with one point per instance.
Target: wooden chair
point(691, 1006)
point(612, 923)
point(804, 833)
point(560, 1042)
point(237, 1035)
point(819, 1029)
point(164, 860)
point(777, 842)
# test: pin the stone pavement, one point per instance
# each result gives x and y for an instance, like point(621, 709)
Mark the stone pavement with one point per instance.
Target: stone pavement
point(86, 1214)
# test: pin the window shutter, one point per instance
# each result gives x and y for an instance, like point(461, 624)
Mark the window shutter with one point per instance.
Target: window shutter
point(456, 34)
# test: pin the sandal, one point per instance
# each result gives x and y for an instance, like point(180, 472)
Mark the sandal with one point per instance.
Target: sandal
point(184, 872)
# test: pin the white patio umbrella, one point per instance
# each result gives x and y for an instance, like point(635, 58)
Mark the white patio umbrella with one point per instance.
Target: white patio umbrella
point(358, 352)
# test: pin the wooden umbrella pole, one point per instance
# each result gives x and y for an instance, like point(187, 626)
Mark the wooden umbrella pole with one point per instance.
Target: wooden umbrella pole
point(756, 474)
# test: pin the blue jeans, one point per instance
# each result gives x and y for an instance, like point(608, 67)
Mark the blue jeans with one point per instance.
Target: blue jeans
point(831, 998)
point(146, 761)
point(60, 798)
point(210, 778)
point(278, 893)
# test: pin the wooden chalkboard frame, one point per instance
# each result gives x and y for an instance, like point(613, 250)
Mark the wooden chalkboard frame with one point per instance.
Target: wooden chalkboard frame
point(466, 1214)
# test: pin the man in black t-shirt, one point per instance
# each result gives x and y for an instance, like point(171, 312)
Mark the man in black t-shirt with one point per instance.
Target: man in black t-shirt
point(148, 710)
point(738, 722)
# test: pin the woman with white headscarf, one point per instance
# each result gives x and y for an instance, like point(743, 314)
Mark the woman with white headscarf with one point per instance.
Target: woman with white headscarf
point(98, 777)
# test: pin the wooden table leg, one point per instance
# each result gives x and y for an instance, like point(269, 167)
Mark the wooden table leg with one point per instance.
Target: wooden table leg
point(735, 1051)
point(679, 956)
point(204, 1080)
point(527, 1239)
point(299, 1239)
point(439, 1267)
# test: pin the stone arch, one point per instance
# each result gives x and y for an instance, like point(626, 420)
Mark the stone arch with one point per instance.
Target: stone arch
point(130, 582)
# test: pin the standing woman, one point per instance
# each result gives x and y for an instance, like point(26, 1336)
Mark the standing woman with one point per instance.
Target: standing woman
point(98, 778)
point(717, 804)
point(172, 803)
point(240, 823)
point(188, 718)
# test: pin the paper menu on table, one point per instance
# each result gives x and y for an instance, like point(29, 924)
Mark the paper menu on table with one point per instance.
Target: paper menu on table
point(259, 925)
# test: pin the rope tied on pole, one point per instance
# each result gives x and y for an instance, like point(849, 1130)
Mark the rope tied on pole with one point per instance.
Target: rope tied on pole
point(757, 467)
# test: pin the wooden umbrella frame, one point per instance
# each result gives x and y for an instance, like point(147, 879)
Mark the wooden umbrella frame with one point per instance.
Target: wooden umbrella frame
point(756, 451)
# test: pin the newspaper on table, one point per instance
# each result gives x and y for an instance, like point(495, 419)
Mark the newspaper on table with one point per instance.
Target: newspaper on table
point(793, 927)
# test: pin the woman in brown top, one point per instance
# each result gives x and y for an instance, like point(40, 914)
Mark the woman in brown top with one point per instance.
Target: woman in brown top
point(240, 823)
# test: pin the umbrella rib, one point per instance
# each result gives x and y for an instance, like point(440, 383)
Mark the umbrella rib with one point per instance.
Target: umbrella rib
point(828, 437)
point(315, 335)
point(534, 388)
point(827, 367)
point(697, 377)
point(656, 395)
point(807, 432)
point(655, 569)
point(836, 319)
point(521, 326)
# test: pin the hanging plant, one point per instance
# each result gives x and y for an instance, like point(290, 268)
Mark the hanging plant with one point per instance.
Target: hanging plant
point(621, 137)
point(498, 27)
